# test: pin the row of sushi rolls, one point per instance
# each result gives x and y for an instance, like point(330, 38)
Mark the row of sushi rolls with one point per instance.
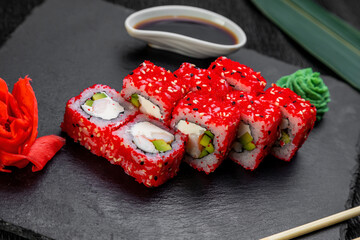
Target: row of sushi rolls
point(199, 116)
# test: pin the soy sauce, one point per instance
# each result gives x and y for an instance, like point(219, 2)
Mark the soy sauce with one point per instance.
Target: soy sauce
point(191, 27)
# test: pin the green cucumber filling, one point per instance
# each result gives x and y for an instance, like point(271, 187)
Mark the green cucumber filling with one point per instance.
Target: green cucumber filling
point(205, 140)
point(206, 145)
point(209, 134)
point(200, 140)
point(135, 100)
point(102, 106)
point(89, 102)
point(284, 138)
point(98, 96)
point(203, 153)
point(244, 140)
point(284, 133)
point(161, 145)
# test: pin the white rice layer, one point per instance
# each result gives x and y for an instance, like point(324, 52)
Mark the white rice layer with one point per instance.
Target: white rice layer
point(285, 151)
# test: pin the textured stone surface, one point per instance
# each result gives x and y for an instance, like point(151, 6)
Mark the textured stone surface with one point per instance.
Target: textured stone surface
point(66, 46)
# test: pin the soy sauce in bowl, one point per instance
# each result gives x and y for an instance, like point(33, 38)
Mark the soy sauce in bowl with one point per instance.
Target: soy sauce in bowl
point(190, 31)
point(191, 27)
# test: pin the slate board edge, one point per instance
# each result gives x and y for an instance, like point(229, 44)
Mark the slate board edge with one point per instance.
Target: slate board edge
point(351, 228)
point(12, 231)
point(35, 233)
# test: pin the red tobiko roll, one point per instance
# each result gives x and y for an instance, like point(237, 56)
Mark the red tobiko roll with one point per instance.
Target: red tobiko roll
point(18, 129)
point(210, 125)
point(189, 73)
point(154, 90)
point(298, 119)
point(239, 76)
point(147, 150)
point(199, 79)
point(257, 130)
point(91, 116)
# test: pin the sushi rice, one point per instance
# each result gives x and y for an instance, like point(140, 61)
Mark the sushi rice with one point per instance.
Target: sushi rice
point(150, 168)
point(93, 132)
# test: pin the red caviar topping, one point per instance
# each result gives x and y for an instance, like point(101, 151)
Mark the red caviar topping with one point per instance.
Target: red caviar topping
point(240, 76)
point(207, 107)
point(199, 79)
point(294, 104)
point(158, 83)
point(149, 78)
point(251, 105)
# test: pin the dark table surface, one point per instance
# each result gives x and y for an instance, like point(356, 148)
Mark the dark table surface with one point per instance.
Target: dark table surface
point(263, 36)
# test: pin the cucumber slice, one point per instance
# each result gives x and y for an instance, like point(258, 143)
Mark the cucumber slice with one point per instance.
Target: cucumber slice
point(89, 102)
point(285, 137)
point(161, 145)
point(210, 148)
point(210, 134)
point(249, 146)
point(205, 140)
point(98, 96)
point(245, 138)
point(203, 153)
point(135, 100)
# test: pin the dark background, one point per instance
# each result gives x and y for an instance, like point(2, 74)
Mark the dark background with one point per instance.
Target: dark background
point(263, 36)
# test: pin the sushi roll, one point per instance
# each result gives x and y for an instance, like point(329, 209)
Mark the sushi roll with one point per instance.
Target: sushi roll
point(91, 116)
point(147, 150)
point(199, 79)
point(210, 125)
point(153, 90)
point(257, 130)
point(239, 76)
point(298, 119)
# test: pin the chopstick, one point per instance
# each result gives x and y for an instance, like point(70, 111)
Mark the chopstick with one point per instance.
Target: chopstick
point(315, 225)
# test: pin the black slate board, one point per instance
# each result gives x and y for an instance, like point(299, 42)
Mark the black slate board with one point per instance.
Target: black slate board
point(67, 46)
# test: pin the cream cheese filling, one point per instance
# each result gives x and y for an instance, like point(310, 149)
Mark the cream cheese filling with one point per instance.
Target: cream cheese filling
point(145, 132)
point(149, 108)
point(104, 108)
point(194, 132)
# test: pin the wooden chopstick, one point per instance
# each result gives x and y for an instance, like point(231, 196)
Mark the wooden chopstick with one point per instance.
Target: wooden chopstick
point(315, 225)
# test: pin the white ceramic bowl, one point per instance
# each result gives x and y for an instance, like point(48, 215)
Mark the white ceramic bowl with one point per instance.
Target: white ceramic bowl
point(182, 44)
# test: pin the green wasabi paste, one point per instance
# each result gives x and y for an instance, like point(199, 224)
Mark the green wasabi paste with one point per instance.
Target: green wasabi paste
point(310, 86)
